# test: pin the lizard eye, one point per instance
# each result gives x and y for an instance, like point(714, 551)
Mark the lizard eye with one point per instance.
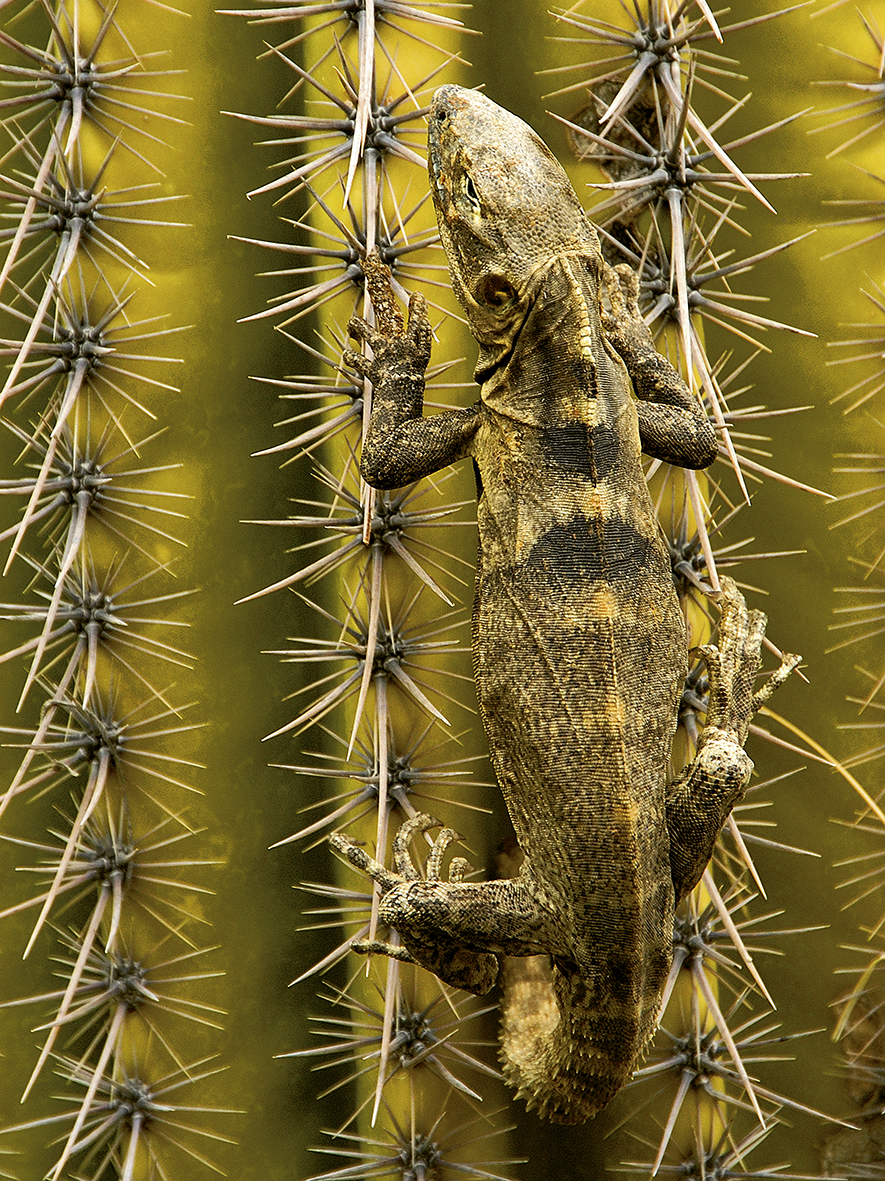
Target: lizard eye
point(471, 193)
point(495, 291)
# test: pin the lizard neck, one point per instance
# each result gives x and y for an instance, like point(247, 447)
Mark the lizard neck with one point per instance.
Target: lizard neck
point(552, 364)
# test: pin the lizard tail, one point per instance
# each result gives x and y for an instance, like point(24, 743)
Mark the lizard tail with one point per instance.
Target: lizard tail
point(565, 1076)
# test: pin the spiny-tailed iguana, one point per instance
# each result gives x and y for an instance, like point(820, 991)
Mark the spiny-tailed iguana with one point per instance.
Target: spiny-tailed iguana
point(579, 644)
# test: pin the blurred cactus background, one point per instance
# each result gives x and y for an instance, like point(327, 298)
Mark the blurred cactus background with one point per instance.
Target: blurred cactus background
point(152, 1025)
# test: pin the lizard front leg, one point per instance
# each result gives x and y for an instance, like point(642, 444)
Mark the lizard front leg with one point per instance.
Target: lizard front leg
point(455, 929)
point(402, 446)
point(672, 423)
point(700, 799)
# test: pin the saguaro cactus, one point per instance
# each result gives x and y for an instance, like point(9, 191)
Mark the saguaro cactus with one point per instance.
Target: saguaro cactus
point(375, 587)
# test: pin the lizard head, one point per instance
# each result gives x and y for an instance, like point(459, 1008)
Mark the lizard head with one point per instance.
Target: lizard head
point(505, 209)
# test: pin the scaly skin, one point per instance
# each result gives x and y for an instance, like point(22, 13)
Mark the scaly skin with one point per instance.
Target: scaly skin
point(579, 643)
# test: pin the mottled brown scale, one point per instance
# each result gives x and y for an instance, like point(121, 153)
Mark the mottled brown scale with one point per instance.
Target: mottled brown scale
point(579, 644)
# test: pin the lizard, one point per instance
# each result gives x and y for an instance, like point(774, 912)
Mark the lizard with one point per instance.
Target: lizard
point(580, 648)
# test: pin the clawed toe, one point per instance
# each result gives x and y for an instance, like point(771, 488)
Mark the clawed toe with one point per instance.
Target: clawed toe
point(734, 663)
point(356, 362)
point(420, 823)
point(788, 663)
point(380, 285)
point(406, 871)
point(353, 852)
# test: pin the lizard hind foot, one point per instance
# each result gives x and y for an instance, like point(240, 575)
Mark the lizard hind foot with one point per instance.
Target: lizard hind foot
point(353, 851)
point(420, 907)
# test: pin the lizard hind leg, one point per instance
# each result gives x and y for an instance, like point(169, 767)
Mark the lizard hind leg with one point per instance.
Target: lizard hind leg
point(701, 798)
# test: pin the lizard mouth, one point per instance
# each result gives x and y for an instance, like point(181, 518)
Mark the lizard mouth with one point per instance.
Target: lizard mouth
point(439, 118)
point(454, 113)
